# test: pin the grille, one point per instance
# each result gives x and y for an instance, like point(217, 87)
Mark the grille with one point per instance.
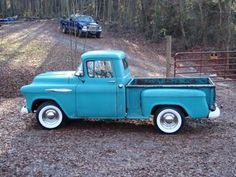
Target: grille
point(92, 28)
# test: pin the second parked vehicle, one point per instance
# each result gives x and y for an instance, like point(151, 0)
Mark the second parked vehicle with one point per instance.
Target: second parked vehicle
point(81, 25)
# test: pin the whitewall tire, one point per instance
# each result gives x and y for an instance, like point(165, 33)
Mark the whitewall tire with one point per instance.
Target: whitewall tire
point(49, 115)
point(168, 119)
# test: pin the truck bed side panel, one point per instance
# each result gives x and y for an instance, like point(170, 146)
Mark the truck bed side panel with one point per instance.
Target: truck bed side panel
point(193, 101)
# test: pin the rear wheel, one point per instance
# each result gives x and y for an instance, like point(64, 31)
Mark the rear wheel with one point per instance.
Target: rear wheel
point(49, 115)
point(168, 119)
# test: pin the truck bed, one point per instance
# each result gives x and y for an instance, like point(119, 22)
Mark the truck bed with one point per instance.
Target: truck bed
point(137, 85)
point(170, 82)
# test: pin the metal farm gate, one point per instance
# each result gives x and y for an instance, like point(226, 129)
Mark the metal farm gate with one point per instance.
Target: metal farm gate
point(219, 65)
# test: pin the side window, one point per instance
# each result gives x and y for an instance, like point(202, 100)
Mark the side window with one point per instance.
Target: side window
point(99, 69)
point(125, 63)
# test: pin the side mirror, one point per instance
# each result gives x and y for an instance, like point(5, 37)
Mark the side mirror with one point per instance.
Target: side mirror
point(80, 75)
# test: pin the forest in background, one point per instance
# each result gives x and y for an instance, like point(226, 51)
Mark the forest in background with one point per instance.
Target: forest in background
point(192, 23)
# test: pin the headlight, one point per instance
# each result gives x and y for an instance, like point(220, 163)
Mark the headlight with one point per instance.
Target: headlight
point(99, 28)
point(85, 28)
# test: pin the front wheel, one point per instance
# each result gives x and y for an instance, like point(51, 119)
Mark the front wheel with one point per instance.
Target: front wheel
point(98, 35)
point(64, 29)
point(49, 115)
point(80, 33)
point(168, 119)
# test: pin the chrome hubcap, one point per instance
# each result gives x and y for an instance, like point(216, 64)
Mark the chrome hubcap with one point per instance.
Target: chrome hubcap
point(50, 116)
point(169, 120)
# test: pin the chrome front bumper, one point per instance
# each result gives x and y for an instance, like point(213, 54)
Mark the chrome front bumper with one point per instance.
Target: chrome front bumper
point(214, 114)
point(91, 31)
point(24, 110)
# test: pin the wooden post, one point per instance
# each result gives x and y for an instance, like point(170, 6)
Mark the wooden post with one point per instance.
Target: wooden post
point(168, 56)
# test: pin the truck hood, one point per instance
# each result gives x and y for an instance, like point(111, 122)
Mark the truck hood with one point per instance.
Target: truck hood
point(54, 77)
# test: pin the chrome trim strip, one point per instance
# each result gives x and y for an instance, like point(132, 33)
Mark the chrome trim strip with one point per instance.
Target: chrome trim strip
point(111, 81)
point(64, 90)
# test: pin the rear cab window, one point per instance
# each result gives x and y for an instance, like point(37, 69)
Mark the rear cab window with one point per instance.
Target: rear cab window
point(125, 63)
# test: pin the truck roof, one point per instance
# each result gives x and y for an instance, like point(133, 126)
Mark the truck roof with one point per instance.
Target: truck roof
point(104, 54)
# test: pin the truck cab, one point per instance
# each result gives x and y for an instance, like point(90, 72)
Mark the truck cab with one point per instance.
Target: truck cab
point(103, 76)
point(103, 88)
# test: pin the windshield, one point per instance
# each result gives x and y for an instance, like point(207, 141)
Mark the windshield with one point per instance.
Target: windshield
point(85, 19)
point(79, 71)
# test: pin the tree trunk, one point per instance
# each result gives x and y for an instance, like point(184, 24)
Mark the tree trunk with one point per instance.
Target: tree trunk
point(229, 33)
point(148, 16)
point(220, 32)
point(115, 13)
point(182, 14)
point(203, 24)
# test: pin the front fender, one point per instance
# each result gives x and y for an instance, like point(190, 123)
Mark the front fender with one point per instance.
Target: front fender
point(193, 101)
point(63, 96)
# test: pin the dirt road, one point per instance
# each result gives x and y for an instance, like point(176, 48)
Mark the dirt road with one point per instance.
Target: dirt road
point(101, 148)
point(30, 48)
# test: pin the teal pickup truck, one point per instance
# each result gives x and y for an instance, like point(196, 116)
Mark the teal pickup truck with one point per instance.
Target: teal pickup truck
point(103, 88)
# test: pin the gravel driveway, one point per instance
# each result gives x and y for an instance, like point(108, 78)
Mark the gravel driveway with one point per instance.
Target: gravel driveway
point(102, 148)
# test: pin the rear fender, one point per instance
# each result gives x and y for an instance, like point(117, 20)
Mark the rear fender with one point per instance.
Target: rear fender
point(193, 101)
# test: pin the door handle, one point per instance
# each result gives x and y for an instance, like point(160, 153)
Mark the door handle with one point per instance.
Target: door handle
point(120, 85)
point(111, 81)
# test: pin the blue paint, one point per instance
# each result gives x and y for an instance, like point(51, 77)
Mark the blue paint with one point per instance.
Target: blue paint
point(119, 96)
point(81, 25)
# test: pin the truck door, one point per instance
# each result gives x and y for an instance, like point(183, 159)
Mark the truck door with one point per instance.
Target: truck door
point(97, 96)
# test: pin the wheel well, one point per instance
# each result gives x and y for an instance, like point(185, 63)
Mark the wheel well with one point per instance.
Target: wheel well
point(173, 106)
point(38, 102)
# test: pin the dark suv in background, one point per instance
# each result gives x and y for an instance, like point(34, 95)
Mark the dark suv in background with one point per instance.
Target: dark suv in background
point(81, 25)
